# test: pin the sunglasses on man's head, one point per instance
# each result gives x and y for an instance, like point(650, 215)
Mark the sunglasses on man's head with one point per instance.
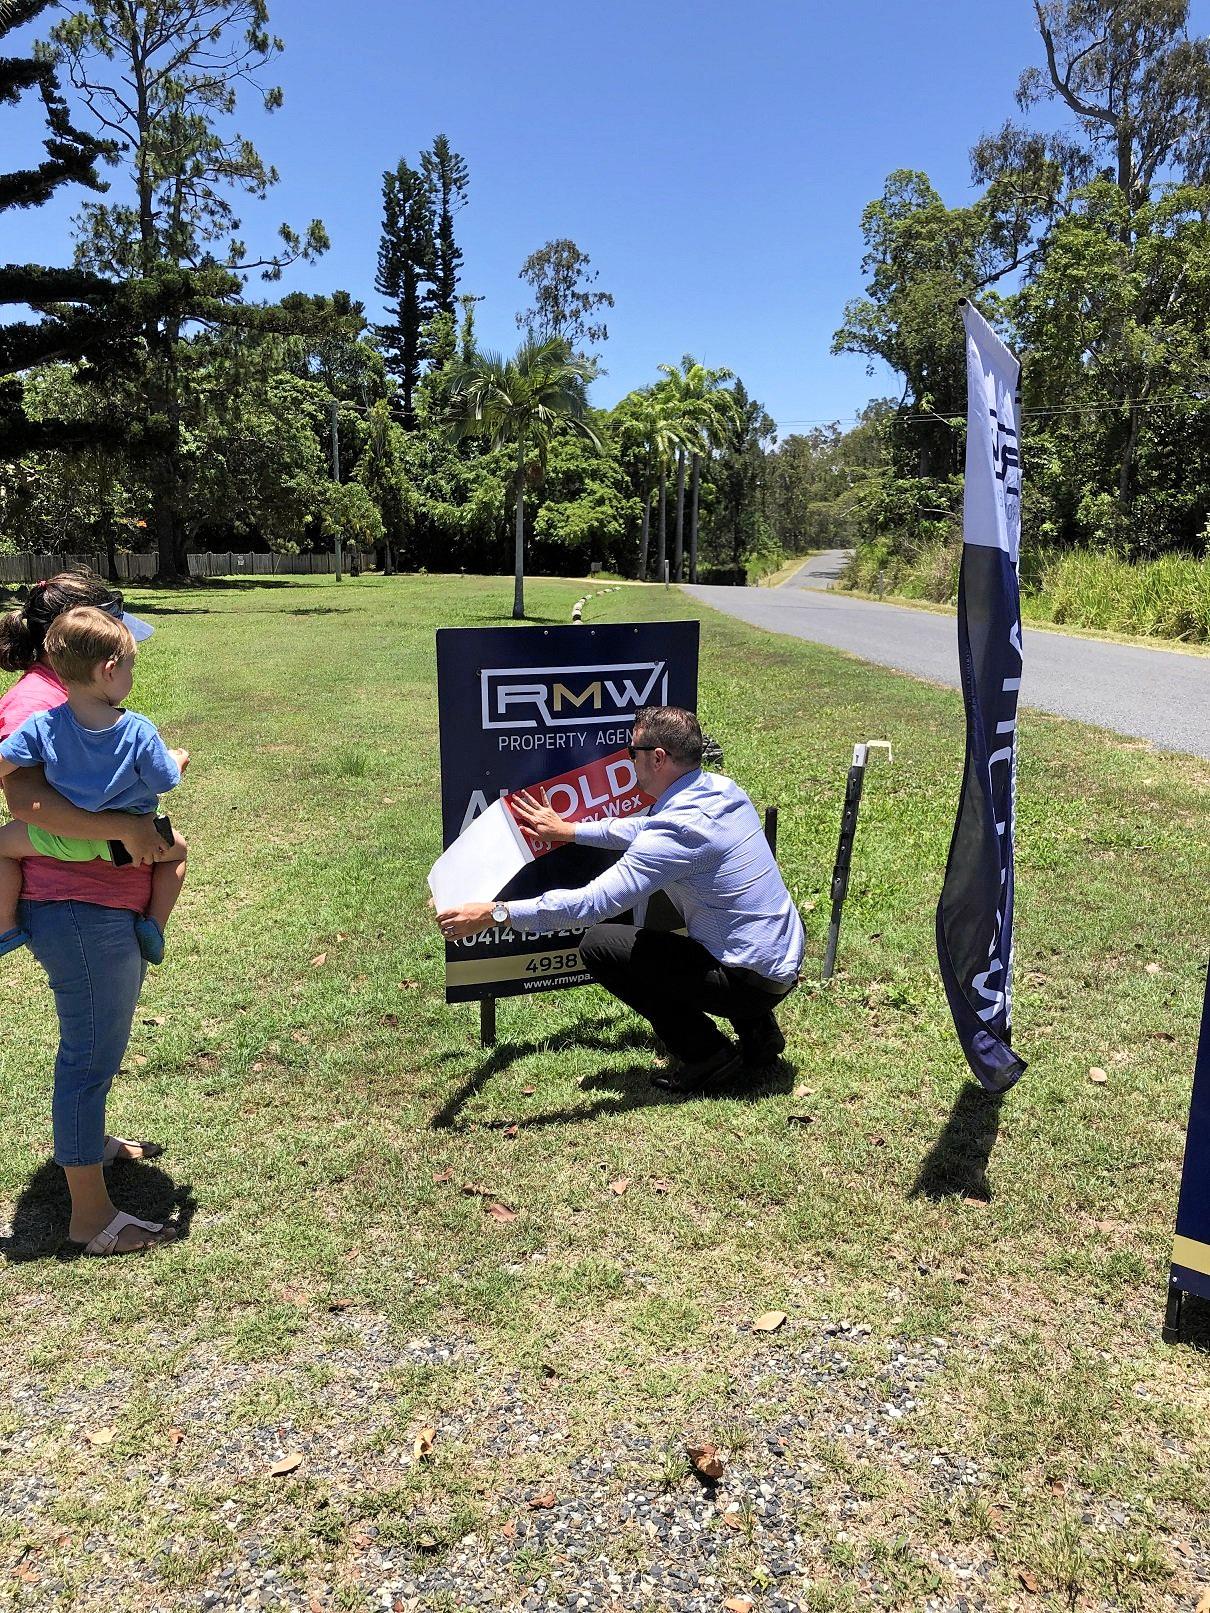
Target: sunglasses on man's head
point(631, 750)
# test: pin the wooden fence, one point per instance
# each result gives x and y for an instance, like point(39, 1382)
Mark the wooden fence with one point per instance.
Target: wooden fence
point(131, 567)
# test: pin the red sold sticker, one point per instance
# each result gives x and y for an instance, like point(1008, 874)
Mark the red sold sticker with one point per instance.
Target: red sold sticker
point(605, 788)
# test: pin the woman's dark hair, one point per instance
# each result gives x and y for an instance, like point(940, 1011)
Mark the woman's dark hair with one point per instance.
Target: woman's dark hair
point(23, 631)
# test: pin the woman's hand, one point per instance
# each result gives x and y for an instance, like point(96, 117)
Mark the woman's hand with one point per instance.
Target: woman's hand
point(458, 922)
point(537, 817)
point(138, 833)
point(181, 758)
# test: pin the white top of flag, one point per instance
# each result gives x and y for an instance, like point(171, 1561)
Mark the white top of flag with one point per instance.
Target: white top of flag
point(992, 505)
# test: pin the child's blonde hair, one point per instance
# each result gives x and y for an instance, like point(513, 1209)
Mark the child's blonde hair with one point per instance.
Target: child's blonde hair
point(78, 640)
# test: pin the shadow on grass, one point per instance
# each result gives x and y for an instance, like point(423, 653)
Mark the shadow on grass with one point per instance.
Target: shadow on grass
point(957, 1162)
point(630, 1087)
point(604, 1034)
point(43, 1211)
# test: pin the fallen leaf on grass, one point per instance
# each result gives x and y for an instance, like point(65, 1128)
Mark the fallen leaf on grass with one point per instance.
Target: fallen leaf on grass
point(1097, 1076)
point(804, 1092)
point(25, 1574)
point(100, 1436)
point(706, 1460)
point(769, 1322)
point(511, 1131)
point(1203, 1603)
point(1030, 1581)
point(1154, 969)
point(732, 1520)
point(176, 1437)
point(528, 1092)
point(800, 1120)
point(472, 1190)
point(501, 1212)
point(738, 1604)
point(391, 1021)
point(541, 1503)
point(139, 1059)
point(360, 1540)
point(974, 1201)
point(446, 1175)
point(287, 1464)
point(661, 1185)
point(409, 985)
point(318, 961)
point(509, 1530)
point(619, 1187)
point(257, 1067)
point(423, 1443)
point(154, 1019)
point(339, 1304)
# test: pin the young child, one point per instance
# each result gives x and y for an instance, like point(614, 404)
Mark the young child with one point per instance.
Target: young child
point(100, 758)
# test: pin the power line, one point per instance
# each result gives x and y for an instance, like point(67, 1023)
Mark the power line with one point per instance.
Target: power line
point(936, 418)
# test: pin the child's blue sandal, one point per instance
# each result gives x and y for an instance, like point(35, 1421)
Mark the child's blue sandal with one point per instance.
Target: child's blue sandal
point(150, 938)
point(12, 939)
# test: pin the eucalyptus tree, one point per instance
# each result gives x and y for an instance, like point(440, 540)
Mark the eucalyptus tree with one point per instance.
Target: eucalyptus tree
point(161, 80)
point(566, 301)
point(521, 403)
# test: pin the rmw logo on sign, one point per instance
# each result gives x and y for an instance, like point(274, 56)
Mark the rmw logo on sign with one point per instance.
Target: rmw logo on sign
point(567, 696)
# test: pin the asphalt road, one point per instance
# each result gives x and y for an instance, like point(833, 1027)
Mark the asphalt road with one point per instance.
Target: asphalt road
point(1159, 695)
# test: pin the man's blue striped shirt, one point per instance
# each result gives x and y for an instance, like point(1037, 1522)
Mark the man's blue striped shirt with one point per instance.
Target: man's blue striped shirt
point(703, 844)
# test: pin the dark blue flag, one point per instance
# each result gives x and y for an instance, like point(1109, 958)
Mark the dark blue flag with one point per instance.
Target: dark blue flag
point(975, 913)
point(1191, 1246)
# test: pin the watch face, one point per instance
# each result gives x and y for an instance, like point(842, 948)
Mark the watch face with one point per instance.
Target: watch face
point(500, 913)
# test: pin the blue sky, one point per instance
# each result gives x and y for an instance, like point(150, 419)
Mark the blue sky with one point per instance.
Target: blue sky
point(712, 159)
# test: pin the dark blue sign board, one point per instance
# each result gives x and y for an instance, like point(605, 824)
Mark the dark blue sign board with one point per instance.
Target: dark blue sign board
point(1191, 1245)
point(551, 706)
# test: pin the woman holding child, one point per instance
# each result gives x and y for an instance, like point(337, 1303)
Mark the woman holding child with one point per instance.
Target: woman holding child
point(96, 881)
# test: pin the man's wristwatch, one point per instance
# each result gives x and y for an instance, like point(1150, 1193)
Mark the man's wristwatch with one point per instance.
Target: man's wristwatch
point(500, 913)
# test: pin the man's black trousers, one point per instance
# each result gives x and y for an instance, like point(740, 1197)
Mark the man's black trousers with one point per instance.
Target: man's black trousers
point(676, 984)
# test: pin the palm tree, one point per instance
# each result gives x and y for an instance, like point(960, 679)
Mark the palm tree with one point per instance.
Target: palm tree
point(522, 402)
point(705, 412)
point(649, 427)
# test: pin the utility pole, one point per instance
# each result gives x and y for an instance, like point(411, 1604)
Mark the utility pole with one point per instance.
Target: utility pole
point(332, 406)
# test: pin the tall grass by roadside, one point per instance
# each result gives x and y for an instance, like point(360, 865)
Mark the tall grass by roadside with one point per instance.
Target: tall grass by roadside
point(1166, 598)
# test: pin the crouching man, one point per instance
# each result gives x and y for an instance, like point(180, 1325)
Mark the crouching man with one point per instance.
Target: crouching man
point(702, 843)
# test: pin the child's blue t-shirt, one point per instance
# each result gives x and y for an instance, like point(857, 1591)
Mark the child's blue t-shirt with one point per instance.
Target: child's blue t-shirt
point(120, 769)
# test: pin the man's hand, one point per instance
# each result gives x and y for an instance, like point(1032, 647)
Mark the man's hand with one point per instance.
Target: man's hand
point(180, 757)
point(138, 833)
point(469, 919)
point(537, 817)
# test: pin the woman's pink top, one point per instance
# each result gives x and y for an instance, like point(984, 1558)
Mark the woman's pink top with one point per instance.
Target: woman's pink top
point(45, 879)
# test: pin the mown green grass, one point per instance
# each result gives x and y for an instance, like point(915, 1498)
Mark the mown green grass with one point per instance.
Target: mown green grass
point(308, 1109)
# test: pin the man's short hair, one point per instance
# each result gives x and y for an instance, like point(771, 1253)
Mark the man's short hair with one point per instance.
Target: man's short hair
point(79, 639)
point(674, 730)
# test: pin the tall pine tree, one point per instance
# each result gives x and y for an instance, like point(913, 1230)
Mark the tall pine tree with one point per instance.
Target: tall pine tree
point(447, 179)
point(81, 312)
point(405, 269)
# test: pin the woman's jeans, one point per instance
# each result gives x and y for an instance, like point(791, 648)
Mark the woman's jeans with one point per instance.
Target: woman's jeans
point(95, 969)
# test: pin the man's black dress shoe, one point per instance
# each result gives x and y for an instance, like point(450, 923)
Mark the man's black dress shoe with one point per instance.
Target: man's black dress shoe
point(704, 1073)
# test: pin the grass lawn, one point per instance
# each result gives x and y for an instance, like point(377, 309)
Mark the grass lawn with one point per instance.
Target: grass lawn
point(968, 1406)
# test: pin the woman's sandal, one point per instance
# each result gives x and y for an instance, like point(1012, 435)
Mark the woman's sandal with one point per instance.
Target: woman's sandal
point(12, 939)
point(106, 1241)
point(114, 1146)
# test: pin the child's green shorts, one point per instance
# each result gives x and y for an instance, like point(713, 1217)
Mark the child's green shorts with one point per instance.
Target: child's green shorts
point(67, 850)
